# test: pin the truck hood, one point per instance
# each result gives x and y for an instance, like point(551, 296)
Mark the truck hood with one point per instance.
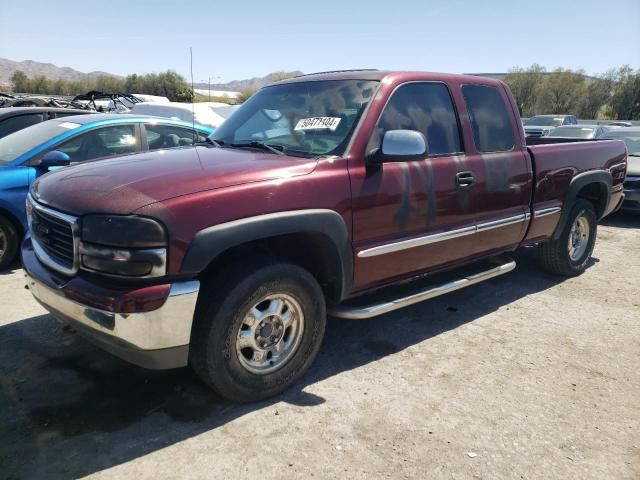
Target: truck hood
point(123, 185)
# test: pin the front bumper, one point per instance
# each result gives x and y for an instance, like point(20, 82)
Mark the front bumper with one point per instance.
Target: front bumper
point(156, 339)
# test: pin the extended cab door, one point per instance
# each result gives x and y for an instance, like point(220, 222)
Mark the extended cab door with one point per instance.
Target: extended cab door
point(500, 194)
point(411, 216)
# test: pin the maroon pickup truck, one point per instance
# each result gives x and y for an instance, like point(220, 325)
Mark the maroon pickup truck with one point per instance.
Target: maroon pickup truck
point(320, 195)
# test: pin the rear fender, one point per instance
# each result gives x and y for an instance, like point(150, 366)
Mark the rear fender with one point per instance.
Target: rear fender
point(599, 177)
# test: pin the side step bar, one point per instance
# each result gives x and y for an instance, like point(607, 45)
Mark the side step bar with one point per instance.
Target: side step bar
point(357, 313)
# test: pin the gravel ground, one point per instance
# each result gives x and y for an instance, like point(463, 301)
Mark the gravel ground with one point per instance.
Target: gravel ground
point(524, 376)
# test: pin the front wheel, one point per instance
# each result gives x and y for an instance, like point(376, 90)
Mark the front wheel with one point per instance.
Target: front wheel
point(570, 253)
point(257, 330)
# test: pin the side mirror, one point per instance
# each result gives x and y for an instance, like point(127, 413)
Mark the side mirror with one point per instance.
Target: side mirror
point(55, 158)
point(401, 145)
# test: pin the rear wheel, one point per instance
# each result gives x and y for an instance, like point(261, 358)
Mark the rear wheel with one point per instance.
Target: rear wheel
point(9, 239)
point(570, 253)
point(257, 330)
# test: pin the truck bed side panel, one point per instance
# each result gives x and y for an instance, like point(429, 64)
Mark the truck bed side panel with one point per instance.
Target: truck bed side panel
point(555, 166)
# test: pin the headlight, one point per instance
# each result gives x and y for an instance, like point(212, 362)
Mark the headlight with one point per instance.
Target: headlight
point(123, 245)
point(123, 231)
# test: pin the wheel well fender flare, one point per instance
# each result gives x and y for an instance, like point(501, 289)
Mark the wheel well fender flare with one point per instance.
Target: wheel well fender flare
point(209, 243)
point(600, 178)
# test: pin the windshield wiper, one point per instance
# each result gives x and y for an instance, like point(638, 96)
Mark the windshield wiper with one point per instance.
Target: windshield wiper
point(262, 145)
point(209, 141)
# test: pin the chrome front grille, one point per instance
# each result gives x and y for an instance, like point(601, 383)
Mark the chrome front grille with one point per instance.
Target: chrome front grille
point(55, 237)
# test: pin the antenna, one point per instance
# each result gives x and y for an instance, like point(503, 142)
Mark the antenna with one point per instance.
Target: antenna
point(193, 97)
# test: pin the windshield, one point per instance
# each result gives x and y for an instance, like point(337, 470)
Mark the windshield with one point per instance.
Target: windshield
point(631, 139)
point(545, 121)
point(305, 119)
point(572, 132)
point(14, 145)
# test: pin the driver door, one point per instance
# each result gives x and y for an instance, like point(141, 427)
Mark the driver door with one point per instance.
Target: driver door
point(414, 205)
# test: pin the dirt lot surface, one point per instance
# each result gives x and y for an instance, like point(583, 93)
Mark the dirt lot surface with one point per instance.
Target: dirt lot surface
point(525, 376)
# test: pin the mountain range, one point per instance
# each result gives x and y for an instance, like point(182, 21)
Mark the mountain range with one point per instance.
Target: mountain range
point(32, 68)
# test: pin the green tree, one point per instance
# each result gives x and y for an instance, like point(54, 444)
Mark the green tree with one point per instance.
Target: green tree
point(525, 86)
point(625, 102)
point(597, 93)
point(20, 82)
point(561, 92)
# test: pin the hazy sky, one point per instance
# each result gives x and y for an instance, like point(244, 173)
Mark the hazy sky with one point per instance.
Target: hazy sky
point(240, 39)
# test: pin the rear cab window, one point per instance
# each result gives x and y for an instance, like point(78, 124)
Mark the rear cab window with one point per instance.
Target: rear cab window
point(490, 120)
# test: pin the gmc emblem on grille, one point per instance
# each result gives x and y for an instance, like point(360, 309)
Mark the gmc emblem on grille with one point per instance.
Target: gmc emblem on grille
point(42, 232)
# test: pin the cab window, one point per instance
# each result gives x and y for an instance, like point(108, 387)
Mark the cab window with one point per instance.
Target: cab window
point(426, 108)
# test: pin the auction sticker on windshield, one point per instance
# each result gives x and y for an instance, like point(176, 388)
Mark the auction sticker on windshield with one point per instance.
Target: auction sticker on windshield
point(318, 123)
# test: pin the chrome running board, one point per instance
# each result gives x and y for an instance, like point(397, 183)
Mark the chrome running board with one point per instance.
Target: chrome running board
point(361, 312)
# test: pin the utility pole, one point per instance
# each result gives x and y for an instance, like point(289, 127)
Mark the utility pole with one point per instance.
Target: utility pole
point(208, 80)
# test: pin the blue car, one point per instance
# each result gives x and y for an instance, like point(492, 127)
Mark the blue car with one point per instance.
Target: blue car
point(33, 151)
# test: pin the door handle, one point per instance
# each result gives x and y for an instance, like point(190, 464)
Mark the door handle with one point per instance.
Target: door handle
point(465, 179)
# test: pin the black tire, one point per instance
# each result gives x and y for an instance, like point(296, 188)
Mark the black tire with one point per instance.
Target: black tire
point(555, 254)
point(9, 241)
point(223, 303)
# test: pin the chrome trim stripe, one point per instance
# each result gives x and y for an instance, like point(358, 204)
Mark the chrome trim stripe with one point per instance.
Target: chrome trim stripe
point(441, 236)
point(503, 222)
point(416, 242)
point(632, 178)
point(357, 313)
point(41, 253)
point(546, 211)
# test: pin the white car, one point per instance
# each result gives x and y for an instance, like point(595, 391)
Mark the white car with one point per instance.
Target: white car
point(187, 112)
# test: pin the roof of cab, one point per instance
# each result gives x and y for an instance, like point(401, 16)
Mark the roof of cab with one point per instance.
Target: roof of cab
point(380, 75)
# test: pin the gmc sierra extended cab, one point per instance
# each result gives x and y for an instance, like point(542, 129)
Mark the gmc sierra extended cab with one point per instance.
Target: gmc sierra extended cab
point(319, 195)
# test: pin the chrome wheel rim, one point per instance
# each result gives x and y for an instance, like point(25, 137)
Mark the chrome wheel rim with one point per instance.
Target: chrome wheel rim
point(579, 237)
point(270, 333)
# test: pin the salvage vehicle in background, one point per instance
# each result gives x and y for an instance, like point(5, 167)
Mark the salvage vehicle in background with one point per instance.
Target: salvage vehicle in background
point(33, 151)
point(541, 125)
point(585, 132)
point(631, 137)
point(17, 118)
point(187, 112)
point(321, 193)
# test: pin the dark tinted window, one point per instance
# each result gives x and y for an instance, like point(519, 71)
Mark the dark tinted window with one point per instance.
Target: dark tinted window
point(61, 114)
point(168, 136)
point(490, 120)
point(99, 143)
point(427, 108)
point(13, 124)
